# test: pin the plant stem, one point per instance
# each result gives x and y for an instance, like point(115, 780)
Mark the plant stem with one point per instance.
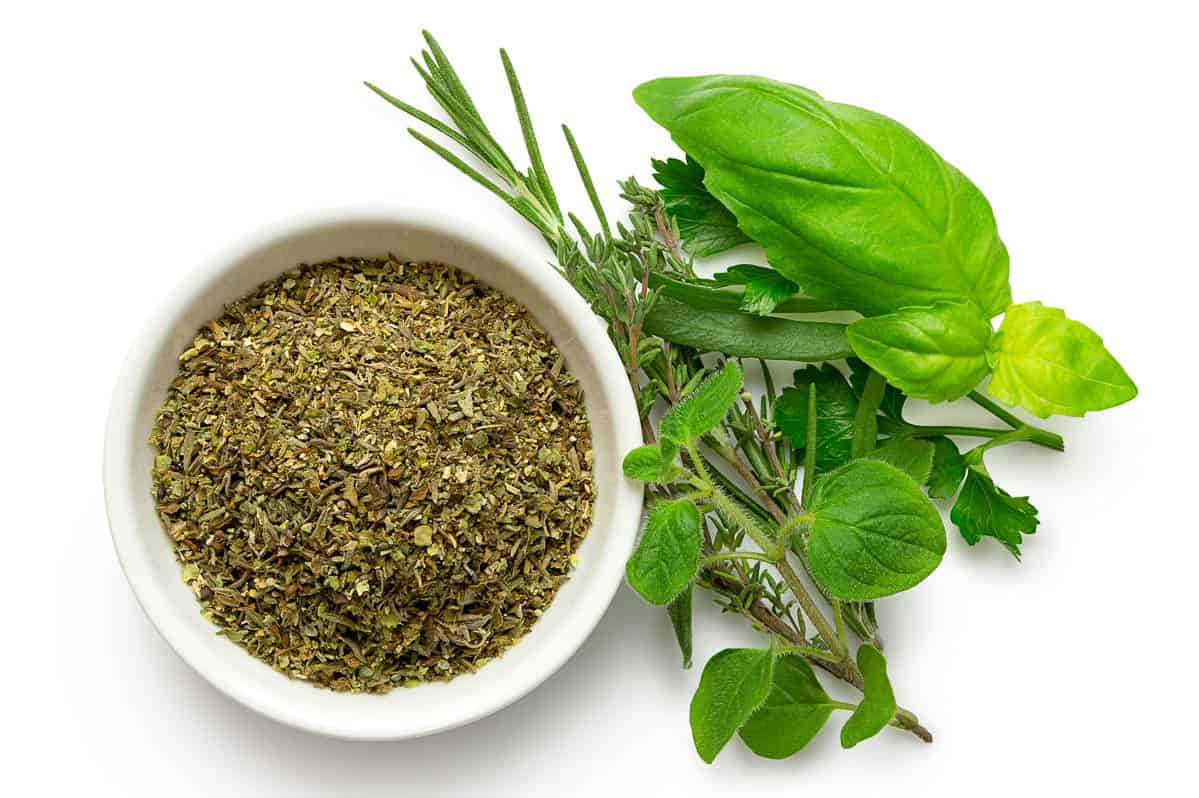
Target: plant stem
point(1039, 436)
point(808, 651)
point(810, 607)
point(865, 429)
point(733, 555)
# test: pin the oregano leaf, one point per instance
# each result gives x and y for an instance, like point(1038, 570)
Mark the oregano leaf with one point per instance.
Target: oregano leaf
point(912, 456)
point(703, 408)
point(667, 556)
point(877, 707)
point(792, 714)
point(734, 683)
point(873, 532)
point(644, 464)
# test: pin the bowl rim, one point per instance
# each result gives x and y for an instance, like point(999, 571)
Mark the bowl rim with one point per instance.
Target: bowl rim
point(514, 254)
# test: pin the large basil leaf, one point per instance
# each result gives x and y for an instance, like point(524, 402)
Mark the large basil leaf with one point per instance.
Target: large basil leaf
point(873, 532)
point(1047, 364)
point(850, 205)
point(936, 353)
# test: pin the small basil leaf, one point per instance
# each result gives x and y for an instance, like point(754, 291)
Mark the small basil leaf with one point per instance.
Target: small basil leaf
point(873, 532)
point(893, 398)
point(792, 714)
point(850, 205)
point(936, 353)
point(765, 288)
point(911, 456)
point(644, 464)
point(877, 707)
point(1047, 364)
point(667, 556)
point(984, 509)
point(704, 408)
point(706, 226)
point(734, 683)
point(679, 611)
point(949, 467)
point(836, 408)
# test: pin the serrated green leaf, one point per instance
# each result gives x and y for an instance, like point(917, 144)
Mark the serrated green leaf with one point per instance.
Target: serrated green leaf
point(765, 289)
point(704, 408)
point(936, 353)
point(836, 409)
point(984, 509)
point(792, 714)
point(667, 556)
point(705, 225)
point(1047, 364)
point(734, 683)
point(873, 532)
point(644, 464)
point(679, 611)
point(949, 467)
point(911, 456)
point(877, 707)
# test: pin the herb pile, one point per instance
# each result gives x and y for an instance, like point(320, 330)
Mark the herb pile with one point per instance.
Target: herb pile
point(374, 473)
point(802, 508)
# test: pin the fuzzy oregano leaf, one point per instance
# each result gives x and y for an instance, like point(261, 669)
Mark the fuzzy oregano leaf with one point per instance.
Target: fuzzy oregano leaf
point(765, 289)
point(936, 353)
point(734, 683)
point(984, 509)
point(667, 556)
point(877, 707)
point(702, 409)
point(836, 411)
point(873, 532)
point(1047, 364)
point(793, 713)
point(644, 464)
point(706, 226)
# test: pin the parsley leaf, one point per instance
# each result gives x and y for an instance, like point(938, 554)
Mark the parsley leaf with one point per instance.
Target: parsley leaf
point(765, 288)
point(707, 227)
point(984, 509)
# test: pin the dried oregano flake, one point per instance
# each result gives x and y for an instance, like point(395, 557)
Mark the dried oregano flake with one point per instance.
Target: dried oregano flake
point(374, 473)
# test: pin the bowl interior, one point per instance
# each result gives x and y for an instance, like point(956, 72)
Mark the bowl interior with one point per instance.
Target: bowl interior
point(147, 555)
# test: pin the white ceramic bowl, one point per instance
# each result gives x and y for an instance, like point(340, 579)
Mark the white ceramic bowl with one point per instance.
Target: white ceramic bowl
point(145, 551)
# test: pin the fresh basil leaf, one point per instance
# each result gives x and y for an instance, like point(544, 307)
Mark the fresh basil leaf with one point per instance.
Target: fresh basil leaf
point(936, 353)
point(765, 289)
point(706, 226)
point(705, 407)
point(873, 532)
point(667, 556)
point(893, 398)
point(679, 610)
point(644, 464)
point(836, 408)
point(911, 456)
point(734, 683)
point(949, 467)
point(984, 509)
point(850, 205)
point(1047, 364)
point(792, 714)
point(737, 334)
point(877, 707)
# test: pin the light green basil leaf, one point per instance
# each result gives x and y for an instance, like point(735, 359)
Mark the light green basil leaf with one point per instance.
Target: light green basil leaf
point(644, 464)
point(667, 556)
point(792, 714)
point(984, 509)
point(1047, 364)
point(836, 409)
point(705, 225)
point(949, 467)
point(734, 683)
point(703, 408)
point(679, 611)
point(877, 707)
point(765, 289)
point(850, 205)
point(911, 456)
point(936, 353)
point(873, 532)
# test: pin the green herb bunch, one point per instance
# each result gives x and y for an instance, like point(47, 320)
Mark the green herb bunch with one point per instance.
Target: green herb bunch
point(799, 509)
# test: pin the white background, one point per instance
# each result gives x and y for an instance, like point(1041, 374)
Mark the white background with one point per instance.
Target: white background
point(137, 140)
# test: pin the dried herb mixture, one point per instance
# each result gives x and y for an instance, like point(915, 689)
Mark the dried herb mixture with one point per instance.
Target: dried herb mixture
point(374, 473)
